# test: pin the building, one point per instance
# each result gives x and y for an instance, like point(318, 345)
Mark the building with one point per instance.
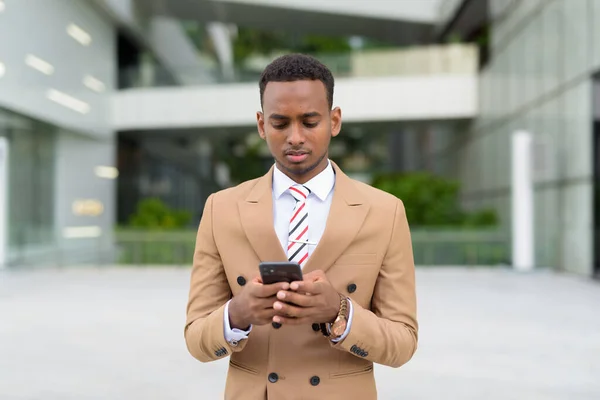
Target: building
point(541, 76)
point(105, 102)
point(56, 78)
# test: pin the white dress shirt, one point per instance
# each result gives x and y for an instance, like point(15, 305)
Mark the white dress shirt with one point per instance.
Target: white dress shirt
point(318, 204)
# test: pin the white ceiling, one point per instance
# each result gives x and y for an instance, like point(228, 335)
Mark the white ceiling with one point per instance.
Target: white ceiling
point(426, 11)
point(403, 22)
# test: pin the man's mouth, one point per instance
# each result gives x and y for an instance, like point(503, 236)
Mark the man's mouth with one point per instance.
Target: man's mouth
point(296, 156)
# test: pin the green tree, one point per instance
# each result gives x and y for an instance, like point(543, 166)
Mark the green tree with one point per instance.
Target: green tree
point(251, 41)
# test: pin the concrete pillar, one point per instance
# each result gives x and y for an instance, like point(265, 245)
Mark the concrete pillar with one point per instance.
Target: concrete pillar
point(523, 247)
point(3, 200)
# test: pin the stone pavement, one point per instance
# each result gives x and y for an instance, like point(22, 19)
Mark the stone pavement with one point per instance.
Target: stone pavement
point(117, 333)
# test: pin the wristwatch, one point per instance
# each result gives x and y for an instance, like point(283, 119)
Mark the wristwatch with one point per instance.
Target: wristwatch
point(338, 327)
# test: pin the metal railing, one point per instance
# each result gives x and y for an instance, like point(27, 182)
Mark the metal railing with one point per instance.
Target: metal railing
point(176, 248)
point(88, 252)
point(129, 247)
point(155, 248)
point(410, 61)
point(430, 247)
point(460, 247)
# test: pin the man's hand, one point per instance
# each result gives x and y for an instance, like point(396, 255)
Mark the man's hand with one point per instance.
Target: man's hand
point(254, 304)
point(312, 300)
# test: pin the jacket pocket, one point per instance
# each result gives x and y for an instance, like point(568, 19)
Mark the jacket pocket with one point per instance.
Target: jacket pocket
point(242, 367)
point(352, 372)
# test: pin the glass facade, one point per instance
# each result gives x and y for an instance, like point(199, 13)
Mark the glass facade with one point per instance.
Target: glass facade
point(31, 182)
point(161, 171)
point(544, 55)
point(179, 172)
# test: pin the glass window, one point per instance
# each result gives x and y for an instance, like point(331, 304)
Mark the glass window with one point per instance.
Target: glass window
point(576, 56)
point(31, 179)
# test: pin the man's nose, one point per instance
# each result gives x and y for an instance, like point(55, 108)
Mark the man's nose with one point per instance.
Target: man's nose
point(296, 135)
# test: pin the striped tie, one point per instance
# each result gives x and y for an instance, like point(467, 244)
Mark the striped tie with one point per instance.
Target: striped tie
point(298, 232)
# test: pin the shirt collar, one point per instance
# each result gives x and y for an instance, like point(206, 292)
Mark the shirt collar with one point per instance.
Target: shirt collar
point(321, 185)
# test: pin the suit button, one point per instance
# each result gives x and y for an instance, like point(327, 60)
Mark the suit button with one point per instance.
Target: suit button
point(221, 352)
point(273, 377)
point(316, 327)
point(315, 380)
point(241, 280)
point(351, 288)
point(276, 325)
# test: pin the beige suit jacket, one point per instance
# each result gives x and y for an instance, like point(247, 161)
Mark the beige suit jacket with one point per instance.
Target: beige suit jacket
point(366, 254)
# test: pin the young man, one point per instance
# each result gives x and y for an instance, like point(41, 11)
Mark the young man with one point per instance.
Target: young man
point(356, 305)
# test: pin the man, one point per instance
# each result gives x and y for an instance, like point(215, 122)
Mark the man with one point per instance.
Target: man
point(356, 305)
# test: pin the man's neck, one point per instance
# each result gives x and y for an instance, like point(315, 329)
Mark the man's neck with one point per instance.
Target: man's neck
point(307, 176)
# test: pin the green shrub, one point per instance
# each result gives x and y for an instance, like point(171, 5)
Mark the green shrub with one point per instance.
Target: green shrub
point(432, 200)
point(153, 213)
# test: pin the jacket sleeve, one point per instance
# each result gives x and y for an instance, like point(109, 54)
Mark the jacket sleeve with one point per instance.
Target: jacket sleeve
point(208, 294)
point(388, 333)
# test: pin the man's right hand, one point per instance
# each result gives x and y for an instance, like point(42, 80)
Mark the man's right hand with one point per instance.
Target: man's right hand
point(254, 304)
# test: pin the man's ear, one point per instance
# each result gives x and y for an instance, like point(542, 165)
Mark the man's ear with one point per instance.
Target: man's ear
point(260, 123)
point(336, 121)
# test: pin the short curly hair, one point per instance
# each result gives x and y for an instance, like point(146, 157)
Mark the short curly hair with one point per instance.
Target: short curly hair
point(296, 67)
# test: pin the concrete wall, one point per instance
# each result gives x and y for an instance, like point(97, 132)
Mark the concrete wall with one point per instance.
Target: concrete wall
point(544, 53)
point(405, 10)
point(361, 99)
point(77, 108)
point(39, 28)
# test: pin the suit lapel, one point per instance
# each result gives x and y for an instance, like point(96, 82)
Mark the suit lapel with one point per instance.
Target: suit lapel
point(346, 216)
point(256, 215)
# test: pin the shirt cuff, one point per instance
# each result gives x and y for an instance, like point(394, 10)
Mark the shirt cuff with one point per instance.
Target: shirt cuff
point(348, 325)
point(233, 336)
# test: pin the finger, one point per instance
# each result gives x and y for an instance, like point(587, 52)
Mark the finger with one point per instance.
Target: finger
point(266, 303)
point(257, 281)
point(302, 300)
point(313, 275)
point(292, 321)
point(262, 316)
point(267, 314)
point(292, 311)
point(265, 291)
point(299, 290)
point(307, 287)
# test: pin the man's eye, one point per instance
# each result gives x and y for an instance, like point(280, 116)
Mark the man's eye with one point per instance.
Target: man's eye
point(311, 125)
point(280, 126)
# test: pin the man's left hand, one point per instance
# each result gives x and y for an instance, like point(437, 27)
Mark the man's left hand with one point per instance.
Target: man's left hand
point(312, 300)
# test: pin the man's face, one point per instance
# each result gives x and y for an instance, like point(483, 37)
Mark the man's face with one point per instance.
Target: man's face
point(297, 124)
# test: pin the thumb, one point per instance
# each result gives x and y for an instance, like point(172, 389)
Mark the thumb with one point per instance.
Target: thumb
point(314, 276)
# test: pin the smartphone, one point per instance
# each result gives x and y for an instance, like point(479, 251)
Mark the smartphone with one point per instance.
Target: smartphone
point(273, 272)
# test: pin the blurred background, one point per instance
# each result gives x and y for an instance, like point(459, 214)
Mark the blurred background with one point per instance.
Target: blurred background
point(118, 118)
